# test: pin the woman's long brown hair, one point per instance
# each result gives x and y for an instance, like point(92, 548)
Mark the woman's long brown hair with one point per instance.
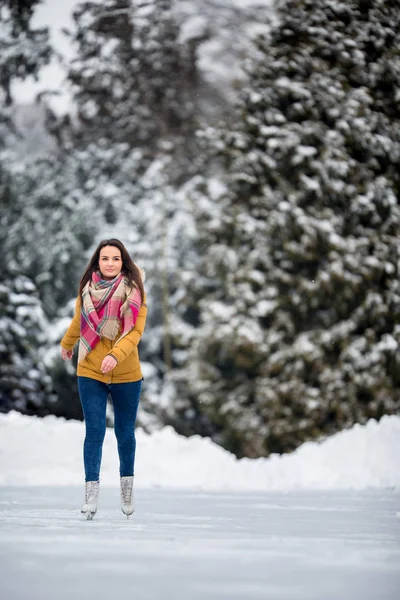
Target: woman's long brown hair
point(129, 269)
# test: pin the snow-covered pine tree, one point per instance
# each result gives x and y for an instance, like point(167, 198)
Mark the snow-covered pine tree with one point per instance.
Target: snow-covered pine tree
point(131, 77)
point(298, 329)
point(24, 50)
point(24, 383)
point(46, 220)
point(51, 225)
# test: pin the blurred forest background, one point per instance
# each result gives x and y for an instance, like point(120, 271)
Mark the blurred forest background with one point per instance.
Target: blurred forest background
point(247, 153)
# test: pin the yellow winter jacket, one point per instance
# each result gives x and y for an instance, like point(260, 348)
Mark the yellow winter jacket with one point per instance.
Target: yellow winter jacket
point(125, 352)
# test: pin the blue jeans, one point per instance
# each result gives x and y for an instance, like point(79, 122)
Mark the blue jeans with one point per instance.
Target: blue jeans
point(125, 399)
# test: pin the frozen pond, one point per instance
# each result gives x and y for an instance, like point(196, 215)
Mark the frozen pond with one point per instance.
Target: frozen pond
point(196, 545)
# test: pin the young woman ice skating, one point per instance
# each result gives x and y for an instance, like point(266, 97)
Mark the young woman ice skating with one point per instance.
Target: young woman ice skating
point(109, 320)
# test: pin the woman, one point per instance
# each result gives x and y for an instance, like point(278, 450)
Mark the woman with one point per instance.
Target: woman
point(109, 320)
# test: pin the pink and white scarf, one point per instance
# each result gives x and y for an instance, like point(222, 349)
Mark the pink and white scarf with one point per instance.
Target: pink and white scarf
point(107, 306)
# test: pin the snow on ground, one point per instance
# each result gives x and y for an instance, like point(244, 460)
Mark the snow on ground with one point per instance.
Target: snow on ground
point(48, 451)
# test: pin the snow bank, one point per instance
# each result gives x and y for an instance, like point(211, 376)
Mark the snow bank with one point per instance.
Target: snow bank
point(48, 451)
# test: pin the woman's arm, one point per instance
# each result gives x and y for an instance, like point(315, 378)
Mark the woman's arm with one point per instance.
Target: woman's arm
point(123, 348)
point(73, 332)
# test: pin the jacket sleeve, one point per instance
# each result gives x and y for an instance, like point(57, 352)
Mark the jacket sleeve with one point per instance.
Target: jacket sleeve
point(124, 348)
point(73, 332)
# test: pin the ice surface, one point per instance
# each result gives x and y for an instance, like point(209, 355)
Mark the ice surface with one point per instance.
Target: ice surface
point(192, 545)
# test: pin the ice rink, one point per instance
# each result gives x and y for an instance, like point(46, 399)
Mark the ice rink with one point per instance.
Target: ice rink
point(198, 545)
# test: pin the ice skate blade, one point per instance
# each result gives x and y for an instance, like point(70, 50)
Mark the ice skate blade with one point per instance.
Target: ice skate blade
point(89, 515)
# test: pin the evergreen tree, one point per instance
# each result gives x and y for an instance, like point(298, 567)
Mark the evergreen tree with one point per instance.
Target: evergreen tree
point(51, 224)
point(24, 50)
point(297, 332)
point(131, 76)
point(24, 382)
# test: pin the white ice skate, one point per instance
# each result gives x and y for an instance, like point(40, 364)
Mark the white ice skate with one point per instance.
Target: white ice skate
point(89, 507)
point(127, 496)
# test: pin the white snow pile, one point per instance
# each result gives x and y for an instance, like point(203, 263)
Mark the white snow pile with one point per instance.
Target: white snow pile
point(48, 451)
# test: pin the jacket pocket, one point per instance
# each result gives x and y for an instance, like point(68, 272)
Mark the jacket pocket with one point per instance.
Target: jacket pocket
point(129, 365)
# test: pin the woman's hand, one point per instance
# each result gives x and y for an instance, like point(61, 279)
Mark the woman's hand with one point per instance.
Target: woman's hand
point(108, 364)
point(66, 354)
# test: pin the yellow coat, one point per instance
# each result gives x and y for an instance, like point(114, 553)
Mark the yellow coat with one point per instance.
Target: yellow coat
point(125, 352)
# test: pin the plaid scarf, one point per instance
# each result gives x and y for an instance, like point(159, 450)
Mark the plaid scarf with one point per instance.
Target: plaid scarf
point(107, 305)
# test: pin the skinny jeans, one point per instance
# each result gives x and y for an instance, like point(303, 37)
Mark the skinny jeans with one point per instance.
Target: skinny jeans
point(125, 398)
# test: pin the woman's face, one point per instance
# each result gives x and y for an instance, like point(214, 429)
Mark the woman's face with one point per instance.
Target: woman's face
point(110, 262)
